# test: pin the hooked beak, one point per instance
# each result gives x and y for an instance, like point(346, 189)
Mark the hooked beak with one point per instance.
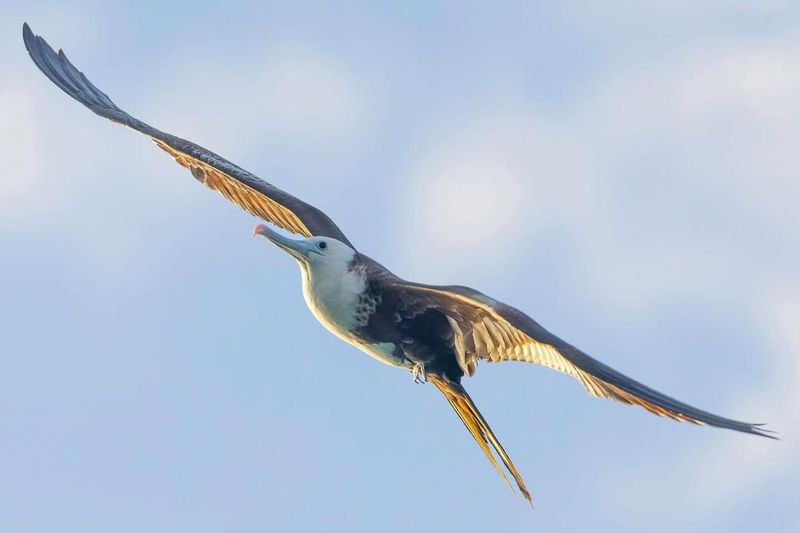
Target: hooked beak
point(299, 249)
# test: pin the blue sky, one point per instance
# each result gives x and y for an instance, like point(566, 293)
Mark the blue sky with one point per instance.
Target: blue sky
point(627, 174)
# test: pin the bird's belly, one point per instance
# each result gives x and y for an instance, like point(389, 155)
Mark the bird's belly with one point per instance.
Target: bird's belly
point(382, 351)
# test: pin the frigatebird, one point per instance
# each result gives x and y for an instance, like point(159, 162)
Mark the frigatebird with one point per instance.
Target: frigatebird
point(438, 333)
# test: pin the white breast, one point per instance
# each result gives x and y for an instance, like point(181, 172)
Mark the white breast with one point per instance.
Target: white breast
point(333, 293)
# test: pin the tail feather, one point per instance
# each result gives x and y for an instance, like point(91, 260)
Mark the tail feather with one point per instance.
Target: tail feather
point(468, 412)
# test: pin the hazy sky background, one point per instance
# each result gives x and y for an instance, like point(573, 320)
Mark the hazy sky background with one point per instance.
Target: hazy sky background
point(625, 173)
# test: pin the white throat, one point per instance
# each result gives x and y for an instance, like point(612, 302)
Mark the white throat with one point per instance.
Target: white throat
point(332, 292)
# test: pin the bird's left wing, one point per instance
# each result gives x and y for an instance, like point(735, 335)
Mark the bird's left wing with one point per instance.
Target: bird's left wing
point(252, 194)
point(486, 329)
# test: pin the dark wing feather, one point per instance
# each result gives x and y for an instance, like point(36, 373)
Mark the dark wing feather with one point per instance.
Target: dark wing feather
point(486, 329)
point(252, 194)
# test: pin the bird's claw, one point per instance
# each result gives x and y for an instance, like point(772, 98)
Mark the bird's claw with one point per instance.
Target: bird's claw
point(418, 372)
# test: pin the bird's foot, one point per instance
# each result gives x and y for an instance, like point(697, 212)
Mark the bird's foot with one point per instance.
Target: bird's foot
point(418, 372)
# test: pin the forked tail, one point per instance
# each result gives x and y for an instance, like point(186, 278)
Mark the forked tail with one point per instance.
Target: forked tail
point(479, 429)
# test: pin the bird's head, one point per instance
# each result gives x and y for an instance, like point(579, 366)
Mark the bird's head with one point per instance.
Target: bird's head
point(314, 251)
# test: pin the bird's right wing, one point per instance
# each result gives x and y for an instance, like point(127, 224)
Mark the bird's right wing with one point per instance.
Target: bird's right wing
point(252, 194)
point(486, 329)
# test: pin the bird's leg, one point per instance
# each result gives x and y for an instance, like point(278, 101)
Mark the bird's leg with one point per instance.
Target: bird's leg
point(418, 372)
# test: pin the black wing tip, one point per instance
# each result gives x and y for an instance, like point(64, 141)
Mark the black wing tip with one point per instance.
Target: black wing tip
point(704, 418)
point(28, 37)
point(742, 427)
point(759, 430)
point(58, 69)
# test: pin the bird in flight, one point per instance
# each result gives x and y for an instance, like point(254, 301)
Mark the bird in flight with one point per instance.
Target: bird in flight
point(437, 333)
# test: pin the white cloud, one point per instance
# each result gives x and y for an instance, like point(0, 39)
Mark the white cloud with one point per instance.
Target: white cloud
point(623, 176)
point(731, 473)
point(476, 193)
point(291, 94)
point(21, 186)
point(30, 179)
point(718, 480)
point(727, 114)
point(667, 14)
point(733, 103)
point(307, 94)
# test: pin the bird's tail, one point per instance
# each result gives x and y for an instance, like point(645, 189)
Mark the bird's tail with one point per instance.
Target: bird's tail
point(479, 429)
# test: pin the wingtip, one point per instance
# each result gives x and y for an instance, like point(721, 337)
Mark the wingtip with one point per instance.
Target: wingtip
point(33, 43)
point(27, 35)
point(756, 429)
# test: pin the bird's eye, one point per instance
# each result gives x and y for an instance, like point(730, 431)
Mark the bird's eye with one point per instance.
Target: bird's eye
point(322, 245)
